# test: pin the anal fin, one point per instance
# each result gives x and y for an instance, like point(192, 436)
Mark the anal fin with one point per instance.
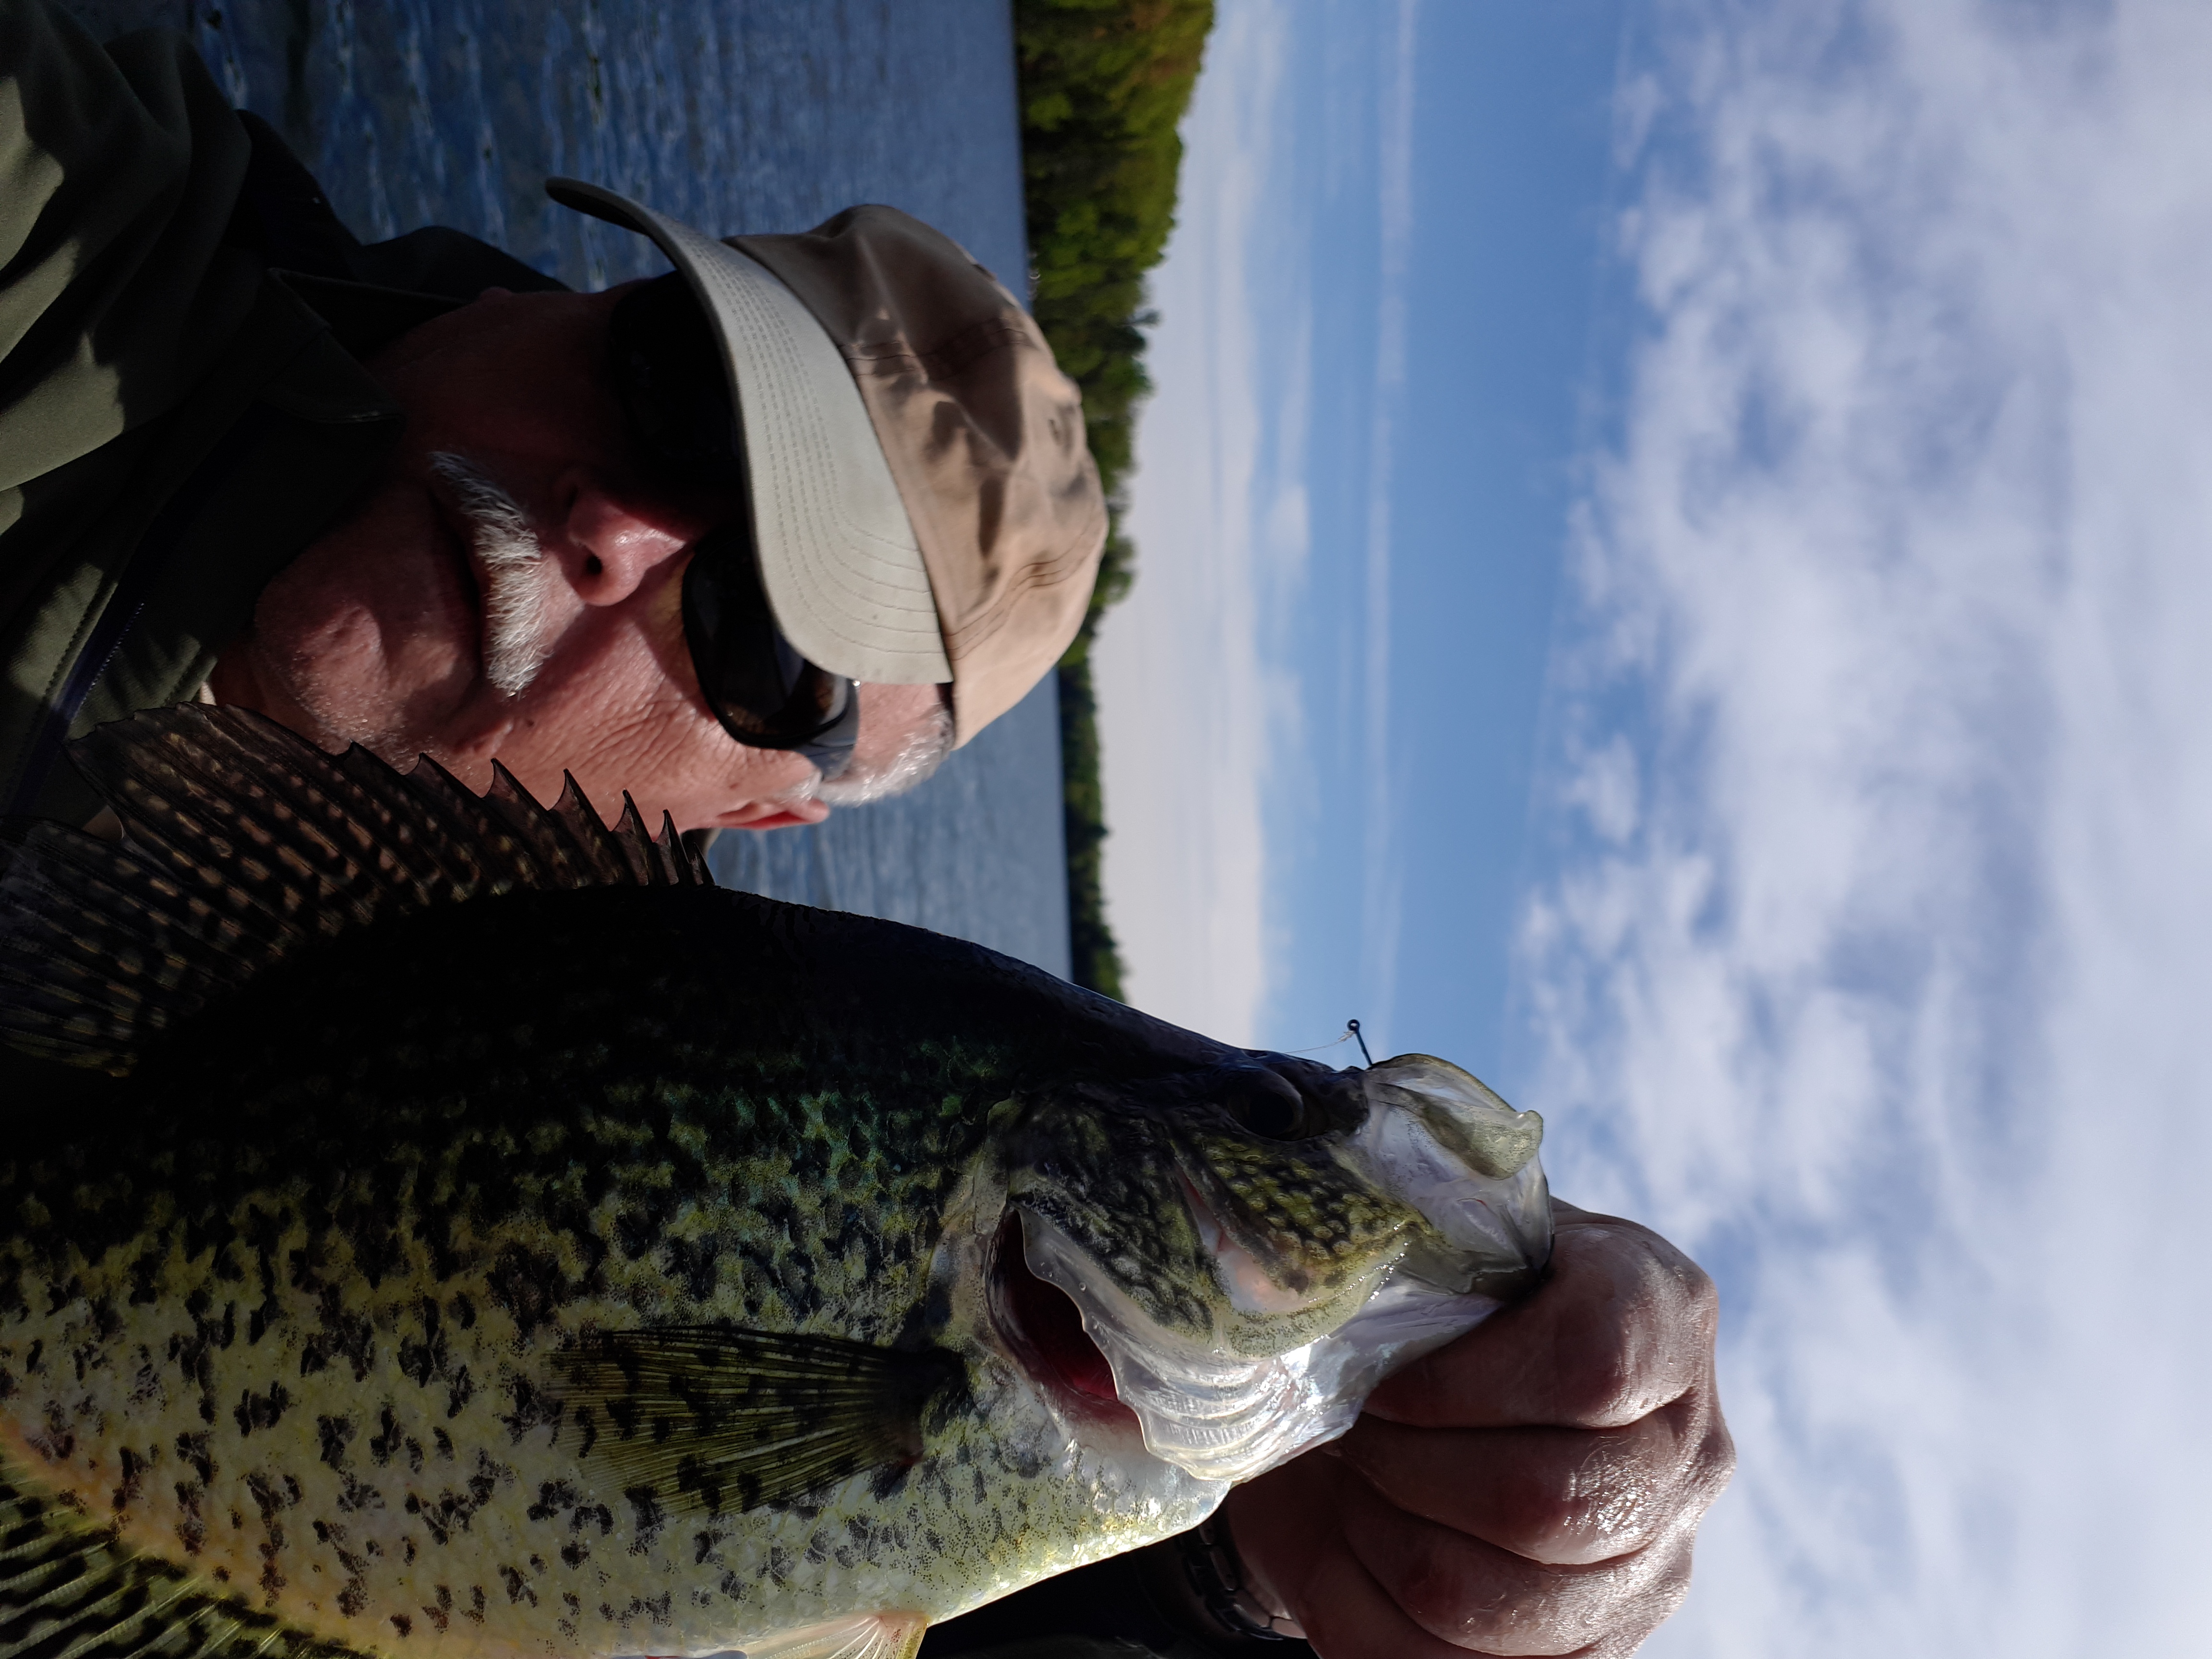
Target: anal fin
point(865, 1636)
point(72, 1590)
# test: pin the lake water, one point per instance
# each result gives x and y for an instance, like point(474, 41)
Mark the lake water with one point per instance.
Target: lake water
point(734, 115)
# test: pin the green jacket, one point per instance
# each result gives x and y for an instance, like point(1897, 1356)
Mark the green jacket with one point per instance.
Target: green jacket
point(182, 401)
point(183, 406)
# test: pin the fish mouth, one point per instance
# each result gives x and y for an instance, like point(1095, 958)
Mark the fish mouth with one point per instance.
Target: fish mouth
point(1044, 1328)
point(1213, 1412)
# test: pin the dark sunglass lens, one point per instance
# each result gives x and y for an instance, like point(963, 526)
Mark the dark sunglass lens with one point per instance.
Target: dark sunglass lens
point(668, 376)
point(763, 692)
point(732, 632)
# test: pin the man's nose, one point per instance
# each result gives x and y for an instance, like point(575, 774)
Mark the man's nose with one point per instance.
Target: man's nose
point(613, 545)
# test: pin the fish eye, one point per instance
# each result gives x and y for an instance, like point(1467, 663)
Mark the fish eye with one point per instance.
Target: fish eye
point(1268, 1104)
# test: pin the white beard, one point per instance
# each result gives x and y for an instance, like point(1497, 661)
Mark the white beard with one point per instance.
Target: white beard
point(519, 580)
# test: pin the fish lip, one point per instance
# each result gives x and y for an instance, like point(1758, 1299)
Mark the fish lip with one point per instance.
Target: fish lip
point(1035, 1330)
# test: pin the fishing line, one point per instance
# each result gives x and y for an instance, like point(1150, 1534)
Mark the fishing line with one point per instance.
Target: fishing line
point(1350, 1035)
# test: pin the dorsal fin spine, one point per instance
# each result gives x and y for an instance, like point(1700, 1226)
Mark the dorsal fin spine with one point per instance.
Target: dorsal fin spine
point(680, 864)
point(645, 868)
point(242, 844)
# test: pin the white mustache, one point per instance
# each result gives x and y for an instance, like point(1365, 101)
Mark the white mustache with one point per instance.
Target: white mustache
point(519, 580)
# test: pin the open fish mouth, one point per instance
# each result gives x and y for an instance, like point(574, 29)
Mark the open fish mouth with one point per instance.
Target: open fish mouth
point(1433, 1135)
point(1047, 1330)
point(1216, 1416)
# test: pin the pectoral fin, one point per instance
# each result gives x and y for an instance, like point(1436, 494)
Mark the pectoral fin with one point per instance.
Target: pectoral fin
point(68, 1588)
point(724, 1421)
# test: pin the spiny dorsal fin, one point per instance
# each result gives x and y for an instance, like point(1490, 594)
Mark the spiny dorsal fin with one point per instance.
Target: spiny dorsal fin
point(68, 1588)
point(721, 1421)
point(241, 843)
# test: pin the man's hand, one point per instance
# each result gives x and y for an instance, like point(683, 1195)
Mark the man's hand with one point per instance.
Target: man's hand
point(1535, 1488)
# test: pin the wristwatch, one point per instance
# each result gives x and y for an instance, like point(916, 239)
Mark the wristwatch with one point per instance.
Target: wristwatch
point(1216, 1576)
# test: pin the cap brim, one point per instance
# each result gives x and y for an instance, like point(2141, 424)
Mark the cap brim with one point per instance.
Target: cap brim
point(838, 556)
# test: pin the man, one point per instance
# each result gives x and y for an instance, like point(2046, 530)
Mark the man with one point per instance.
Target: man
point(573, 569)
point(420, 497)
point(773, 531)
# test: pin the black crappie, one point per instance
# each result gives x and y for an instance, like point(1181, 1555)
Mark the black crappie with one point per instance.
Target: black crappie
point(609, 1264)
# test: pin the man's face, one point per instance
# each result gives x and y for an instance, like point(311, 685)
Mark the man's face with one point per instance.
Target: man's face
point(377, 634)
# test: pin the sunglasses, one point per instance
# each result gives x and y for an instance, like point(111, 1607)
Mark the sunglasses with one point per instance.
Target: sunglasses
point(667, 370)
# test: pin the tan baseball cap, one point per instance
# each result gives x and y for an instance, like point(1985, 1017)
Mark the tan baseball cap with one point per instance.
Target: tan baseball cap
point(924, 505)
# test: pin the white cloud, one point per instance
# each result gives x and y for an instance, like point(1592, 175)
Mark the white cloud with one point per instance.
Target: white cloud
point(1383, 910)
point(1875, 970)
point(1209, 780)
point(1185, 702)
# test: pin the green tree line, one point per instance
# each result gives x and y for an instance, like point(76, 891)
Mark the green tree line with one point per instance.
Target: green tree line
point(1103, 86)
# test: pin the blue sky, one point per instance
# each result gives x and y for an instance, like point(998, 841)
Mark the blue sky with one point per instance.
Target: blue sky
point(1676, 549)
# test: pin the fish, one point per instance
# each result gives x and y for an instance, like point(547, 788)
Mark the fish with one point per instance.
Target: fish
point(476, 1231)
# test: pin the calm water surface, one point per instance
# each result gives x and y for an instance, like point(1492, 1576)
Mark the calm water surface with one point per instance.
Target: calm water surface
point(735, 115)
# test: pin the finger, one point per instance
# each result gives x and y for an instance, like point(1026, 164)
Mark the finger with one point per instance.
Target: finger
point(1346, 1614)
point(1307, 1570)
point(1622, 1324)
point(1561, 1495)
point(1475, 1595)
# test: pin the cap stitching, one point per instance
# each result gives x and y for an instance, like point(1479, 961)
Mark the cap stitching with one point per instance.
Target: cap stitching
point(807, 504)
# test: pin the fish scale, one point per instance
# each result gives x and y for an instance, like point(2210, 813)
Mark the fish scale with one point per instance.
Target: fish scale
point(519, 1244)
